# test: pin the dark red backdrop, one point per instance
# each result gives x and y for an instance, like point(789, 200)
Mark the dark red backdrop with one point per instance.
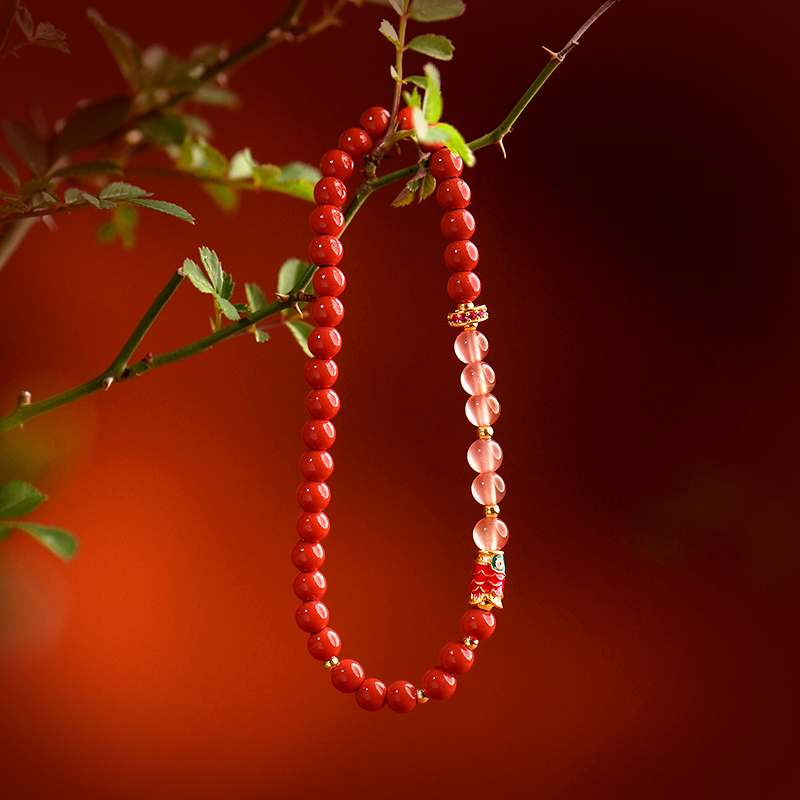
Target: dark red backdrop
point(639, 255)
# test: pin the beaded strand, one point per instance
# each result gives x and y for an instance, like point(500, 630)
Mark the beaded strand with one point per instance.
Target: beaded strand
point(319, 433)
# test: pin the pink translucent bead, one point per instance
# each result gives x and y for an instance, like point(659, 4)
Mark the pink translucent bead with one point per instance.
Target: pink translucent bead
point(471, 346)
point(483, 410)
point(485, 455)
point(478, 378)
point(488, 488)
point(490, 534)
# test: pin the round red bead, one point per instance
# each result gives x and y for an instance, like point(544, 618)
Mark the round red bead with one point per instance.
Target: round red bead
point(456, 658)
point(401, 697)
point(309, 586)
point(453, 193)
point(313, 495)
point(478, 624)
point(324, 644)
point(327, 311)
point(461, 256)
point(313, 526)
point(438, 684)
point(325, 250)
point(458, 224)
point(327, 219)
point(329, 281)
point(330, 191)
point(355, 141)
point(319, 434)
point(323, 403)
point(375, 121)
point(321, 373)
point(316, 465)
point(405, 122)
point(445, 164)
point(347, 675)
point(464, 287)
point(371, 695)
point(336, 164)
point(312, 617)
point(324, 342)
point(308, 556)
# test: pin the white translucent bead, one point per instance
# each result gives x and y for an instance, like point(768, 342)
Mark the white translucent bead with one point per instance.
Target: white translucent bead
point(482, 410)
point(488, 488)
point(485, 455)
point(478, 378)
point(490, 534)
point(471, 346)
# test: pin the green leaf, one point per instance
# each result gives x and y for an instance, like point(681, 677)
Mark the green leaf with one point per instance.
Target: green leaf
point(241, 166)
point(92, 123)
point(89, 168)
point(300, 331)
point(72, 195)
point(215, 96)
point(164, 207)
point(125, 52)
point(24, 142)
point(213, 268)
point(434, 10)
point(90, 198)
point(121, 191)
point(195, 275)
point(388, 30)
point(9, 169)
point(34, 185)
point(227, 286)
point(18, 498)
point(450, 137)
point(397, 5)
point(25, 21)
point(164, 129)
point(255, 297)
point(261, 336)
point(289, 274)
point(227, 308)
point(432, 102)
point(433, 45)
point(122, 224)
point(57, 540)
point(393, 73)
point(224, 196)
point(427, 188)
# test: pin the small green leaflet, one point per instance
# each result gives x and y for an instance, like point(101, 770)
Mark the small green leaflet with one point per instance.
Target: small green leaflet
point(388, 30)
point(256, 301)
point(213, 268)
point(125, 52)
point(18, 498)
point(121, 191)
point(300, 331)
point(433, 45)
point(218, 283)
point(164, 207)
point(432, 103)
point(435, 10)
point(164, 129)
point(195, 275)
point(57, 540)
point(290, 273)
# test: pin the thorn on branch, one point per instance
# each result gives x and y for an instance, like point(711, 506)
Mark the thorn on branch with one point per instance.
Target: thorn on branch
point(24, 399)
point(108, 381)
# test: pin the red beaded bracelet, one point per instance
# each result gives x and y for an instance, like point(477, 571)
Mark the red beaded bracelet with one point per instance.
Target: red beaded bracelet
point(316, 465)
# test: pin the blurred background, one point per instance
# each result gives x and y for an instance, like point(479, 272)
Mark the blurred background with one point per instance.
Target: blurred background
point(639, 256)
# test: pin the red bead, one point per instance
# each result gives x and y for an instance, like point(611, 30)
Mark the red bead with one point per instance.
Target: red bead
point(445, 164)
point(319, 434)
point(431, 147)
point(458, 224)
point(438, 684)
point(371, 695)
point(308, 556)
point(330, 191)
point(327, 219)
point(461, 256)
point(315, 526)
point(316, 465)
point(453, 193)
point(313, 495)
point(324, 342)
point(347, 675)
point(329, 281)
point(401, 697)
point(478, 624)
point(323, 403)
point(327, 311)
point(405, 122)
point(324, 644)
point(309, 586)
point(336, 164)
point(325, 250)
point(355, 141)
point(312, 616)
point(464, 287)
point(375, 121)
point(456, 658)
point(321, 373)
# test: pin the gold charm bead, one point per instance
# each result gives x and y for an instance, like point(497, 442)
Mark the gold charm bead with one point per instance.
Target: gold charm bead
point(470, 642)
point(330, 663)
point(491, 511)
point(421, 696)
point(485, 432)
point(467, 316)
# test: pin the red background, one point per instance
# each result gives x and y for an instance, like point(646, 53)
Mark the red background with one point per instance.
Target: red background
point(639, 255)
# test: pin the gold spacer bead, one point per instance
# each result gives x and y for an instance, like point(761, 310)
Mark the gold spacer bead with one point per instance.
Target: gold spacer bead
point(485, 432)
point(470, 642)
point(491, 511)
point(465, 306)
point(330, 663)
point(421, 696)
